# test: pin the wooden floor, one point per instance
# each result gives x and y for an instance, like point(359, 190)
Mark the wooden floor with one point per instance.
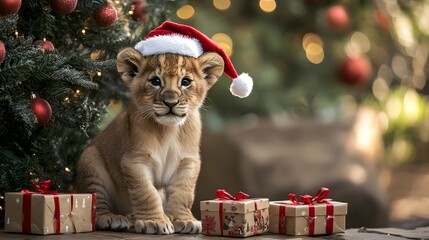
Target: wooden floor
point(350, 234)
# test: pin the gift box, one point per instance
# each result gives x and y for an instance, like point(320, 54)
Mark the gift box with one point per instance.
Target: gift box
point(234, 216)
point(312, 216)
point(46, 212)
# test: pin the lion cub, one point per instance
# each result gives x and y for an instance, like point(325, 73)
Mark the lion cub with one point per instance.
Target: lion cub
point(144, 165)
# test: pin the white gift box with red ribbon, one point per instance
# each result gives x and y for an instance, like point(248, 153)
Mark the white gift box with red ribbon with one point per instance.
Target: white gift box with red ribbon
point(312, 216)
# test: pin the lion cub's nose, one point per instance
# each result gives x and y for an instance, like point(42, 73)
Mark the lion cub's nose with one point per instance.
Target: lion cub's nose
point(171, 104)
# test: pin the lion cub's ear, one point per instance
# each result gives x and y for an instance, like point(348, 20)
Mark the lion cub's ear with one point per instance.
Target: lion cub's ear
point(212, 66)
point(128, 62)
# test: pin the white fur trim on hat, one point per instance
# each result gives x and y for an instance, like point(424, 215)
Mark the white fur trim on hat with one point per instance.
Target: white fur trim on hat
point(170, 44)
point(241, 86)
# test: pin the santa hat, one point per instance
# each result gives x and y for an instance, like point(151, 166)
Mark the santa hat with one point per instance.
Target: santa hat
point(181, 39)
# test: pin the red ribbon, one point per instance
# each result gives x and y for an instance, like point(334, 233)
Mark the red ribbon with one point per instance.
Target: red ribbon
point(221, 218)
point(42, 188)
point(26, 212)
point(57, 213)
point(223, 194)
point(309, 200)
point(329, 218)
point(94, 208)
point(282, 219)
point(311, 219)
point(71, 211)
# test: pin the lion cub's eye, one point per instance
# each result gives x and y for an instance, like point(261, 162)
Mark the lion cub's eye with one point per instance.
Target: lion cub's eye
point(155, 81)
point(186, 82)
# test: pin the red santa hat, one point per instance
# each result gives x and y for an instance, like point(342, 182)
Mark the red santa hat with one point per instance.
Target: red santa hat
point(181, 39)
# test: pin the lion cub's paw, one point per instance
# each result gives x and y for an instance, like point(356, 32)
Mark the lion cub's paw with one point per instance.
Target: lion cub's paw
point(161, 226)
point(187, 226)
point(113, 222)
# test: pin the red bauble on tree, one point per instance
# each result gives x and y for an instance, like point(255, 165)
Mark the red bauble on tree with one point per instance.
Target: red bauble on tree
point(356, 70)
point(2, 52)
point(337, 18)
point(42, 109)
point(45, 44)
point(382, 19)
point(105, 15)
point(8, 7)
point(139, 11)
point(63, 7)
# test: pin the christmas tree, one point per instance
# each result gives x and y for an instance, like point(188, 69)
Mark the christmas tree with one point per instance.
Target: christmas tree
point(58, 79)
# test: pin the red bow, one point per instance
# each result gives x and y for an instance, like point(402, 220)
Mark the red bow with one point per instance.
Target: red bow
point(42, 187)
point(308, 199)
point(223, 194)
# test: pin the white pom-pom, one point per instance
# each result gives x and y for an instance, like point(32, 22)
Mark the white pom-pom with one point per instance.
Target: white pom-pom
point(241, 86)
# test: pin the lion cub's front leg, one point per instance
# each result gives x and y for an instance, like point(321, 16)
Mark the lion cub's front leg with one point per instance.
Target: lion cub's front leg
point(146, 203)
point(180, 194)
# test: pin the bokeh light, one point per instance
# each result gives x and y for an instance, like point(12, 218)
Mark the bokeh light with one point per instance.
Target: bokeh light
point(399, 66)
point(224, 41)
point(383, 120)
point(419, 79)
point(357, 174)
point(221, 4)
point(358, 44)
point(185, 12)
point(393, 107)
point(401, 150)
point(411, 106)
point(380, 89)
point(267, 5)
point(366, 130)
point(314, 53)
point(404, 31)
point(311, 38)
point(418, 66)
point(313, 46)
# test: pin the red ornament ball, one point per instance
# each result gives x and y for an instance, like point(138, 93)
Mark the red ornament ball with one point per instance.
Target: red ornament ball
point(337, 18)
point(382, 19)
point(45, 44)
point(139, 11)
point(105, 15)
point(9, 7)
point(2, 52)
point(42, 109)
point(356, 70)
point(63, 7)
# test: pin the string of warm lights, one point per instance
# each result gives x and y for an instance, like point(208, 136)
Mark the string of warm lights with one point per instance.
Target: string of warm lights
point(314, 53)
point(222, 39)
point(187, 11)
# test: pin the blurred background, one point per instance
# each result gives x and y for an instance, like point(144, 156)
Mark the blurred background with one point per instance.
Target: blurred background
point(339, 100)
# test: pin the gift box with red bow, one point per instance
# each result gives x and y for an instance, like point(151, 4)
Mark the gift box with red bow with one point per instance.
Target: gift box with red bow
point(46, 212)
point(310, 216)
point(238, 216)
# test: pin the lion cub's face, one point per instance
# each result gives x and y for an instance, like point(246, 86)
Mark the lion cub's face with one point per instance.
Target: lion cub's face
point(168, 87)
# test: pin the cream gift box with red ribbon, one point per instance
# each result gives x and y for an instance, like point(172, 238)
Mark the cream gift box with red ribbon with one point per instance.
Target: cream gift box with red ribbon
point(46, 212)
point(236, 216)
point(312, 216)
